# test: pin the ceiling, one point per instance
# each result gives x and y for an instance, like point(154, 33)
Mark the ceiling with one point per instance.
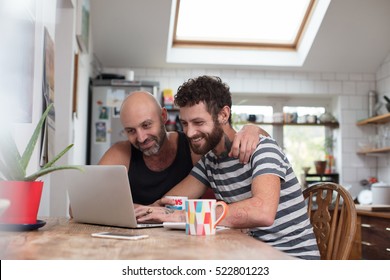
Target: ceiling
point(354, 36)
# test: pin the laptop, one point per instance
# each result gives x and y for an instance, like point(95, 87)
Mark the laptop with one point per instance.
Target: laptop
point(101, 195)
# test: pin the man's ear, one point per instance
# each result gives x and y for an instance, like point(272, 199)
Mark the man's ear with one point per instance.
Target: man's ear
point(224, 114)
point(164, 115)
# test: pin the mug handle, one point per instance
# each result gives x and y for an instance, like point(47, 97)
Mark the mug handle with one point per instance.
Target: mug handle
point(225, 207)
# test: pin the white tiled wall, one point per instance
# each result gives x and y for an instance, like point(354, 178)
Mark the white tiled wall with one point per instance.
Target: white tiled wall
point(349, 92)
point(383, 88)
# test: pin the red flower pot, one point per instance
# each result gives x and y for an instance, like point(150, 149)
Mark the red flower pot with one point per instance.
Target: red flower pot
point(25, 198)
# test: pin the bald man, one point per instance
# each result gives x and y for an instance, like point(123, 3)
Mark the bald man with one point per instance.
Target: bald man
point(157, 160)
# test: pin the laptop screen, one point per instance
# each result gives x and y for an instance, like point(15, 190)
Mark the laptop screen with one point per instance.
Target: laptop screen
point(102, 195)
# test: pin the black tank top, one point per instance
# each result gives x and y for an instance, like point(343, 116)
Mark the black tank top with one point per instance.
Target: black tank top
point(146, 185)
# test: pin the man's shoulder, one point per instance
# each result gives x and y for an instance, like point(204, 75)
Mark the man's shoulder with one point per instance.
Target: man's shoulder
point(119, 153)
point(266, 140)
point(121, 145)
point(266, 146)
point(121, 148)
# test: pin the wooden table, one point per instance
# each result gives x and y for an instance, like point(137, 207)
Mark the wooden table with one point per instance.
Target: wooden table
point(62, 238)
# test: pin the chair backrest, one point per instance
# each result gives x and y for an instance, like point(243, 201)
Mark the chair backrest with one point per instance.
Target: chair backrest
point(332, 214)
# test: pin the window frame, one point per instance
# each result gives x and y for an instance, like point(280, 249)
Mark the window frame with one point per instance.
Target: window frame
point(244, 45)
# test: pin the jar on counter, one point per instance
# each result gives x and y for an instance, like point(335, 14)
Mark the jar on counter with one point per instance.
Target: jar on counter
point(380, 193)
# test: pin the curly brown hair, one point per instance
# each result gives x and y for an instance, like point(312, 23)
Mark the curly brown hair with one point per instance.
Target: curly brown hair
point(207, 89)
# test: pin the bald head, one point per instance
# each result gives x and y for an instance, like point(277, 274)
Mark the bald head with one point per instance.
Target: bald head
point(140, 106)
point(143, 120)
point(141, 98)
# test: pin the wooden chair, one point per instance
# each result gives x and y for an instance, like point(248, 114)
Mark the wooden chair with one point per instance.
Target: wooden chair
point(332, 214)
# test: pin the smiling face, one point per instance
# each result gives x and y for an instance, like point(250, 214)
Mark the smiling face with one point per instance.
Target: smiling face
point(143, 121)
point(204, 133)
point(205, 104)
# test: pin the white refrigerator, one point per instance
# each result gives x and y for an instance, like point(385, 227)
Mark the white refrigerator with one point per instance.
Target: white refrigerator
point(105, 99)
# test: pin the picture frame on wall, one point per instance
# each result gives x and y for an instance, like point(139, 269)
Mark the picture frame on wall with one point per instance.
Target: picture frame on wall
point(47, 145)
point(75, 83)
point(82, 36)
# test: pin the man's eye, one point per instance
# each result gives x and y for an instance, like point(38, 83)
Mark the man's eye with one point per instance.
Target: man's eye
point(198, 123)
point(130, 131)
point(146, 125)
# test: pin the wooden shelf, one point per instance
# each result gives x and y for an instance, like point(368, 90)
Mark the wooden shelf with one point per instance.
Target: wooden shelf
point(375, 120)
point(330, 124)
point(374, 151)
point(382, 119)
point(315, 178)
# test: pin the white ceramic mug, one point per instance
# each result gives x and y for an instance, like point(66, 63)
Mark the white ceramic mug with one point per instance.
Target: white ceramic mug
point(201, 216)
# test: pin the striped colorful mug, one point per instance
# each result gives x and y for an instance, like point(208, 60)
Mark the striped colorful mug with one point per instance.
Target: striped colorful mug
point(201, 216)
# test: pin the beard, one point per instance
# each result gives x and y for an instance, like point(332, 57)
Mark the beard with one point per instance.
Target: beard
point(211, 140)
point(155, 148)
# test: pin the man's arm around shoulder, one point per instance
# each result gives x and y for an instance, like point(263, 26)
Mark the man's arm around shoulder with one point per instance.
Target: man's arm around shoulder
point(118, 154)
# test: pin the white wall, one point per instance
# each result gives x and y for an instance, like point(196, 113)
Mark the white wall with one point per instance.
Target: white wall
point(44, 18)
point(70, 128)
point(59, 18)
point(65, 48)
point(383, 88)
point(44, 15)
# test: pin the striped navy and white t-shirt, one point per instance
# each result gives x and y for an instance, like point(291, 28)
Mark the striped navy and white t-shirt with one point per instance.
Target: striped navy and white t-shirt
point(231, 182)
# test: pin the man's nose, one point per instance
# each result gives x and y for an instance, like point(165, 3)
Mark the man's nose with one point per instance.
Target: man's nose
point(141, 136)
point(189, 130)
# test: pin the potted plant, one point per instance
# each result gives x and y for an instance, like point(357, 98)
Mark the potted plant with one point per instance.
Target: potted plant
point(23, 190)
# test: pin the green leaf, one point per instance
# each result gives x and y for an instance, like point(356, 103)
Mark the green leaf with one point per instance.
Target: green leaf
point(11, 168)
point(45, 171)
point(33, 140)
point(50, 163)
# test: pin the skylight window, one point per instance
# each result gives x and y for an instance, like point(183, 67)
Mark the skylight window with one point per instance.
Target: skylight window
point(244, 32)
point(241, 22)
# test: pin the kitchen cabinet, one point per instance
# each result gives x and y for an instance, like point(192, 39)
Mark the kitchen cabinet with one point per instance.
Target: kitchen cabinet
point(377, 120)
point(372, 238)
